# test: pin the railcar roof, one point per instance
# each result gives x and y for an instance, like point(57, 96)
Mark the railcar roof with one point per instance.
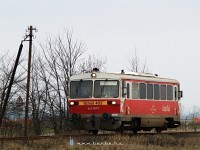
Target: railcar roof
point(127, 76)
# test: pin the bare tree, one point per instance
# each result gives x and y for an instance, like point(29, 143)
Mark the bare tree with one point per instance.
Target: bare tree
point(92, 62)
point(38, 103)
point(135, 65)
point(61, 55)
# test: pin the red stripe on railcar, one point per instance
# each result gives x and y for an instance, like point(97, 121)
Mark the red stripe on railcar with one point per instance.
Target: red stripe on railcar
point(150, 107)
point(95, 106)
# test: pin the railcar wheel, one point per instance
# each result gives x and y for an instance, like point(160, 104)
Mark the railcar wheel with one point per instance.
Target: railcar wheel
point(94, 132)
point(158, 130)
point(135, 122)
point(135, 131)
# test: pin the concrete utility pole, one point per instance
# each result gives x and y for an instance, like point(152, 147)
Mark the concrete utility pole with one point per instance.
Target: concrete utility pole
point(30, 29)
point(5, 103)
point(3, 110)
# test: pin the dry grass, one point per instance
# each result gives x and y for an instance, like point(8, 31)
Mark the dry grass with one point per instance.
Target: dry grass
point(137, 142)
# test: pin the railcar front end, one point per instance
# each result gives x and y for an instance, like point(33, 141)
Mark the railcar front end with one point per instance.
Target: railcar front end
point(94, 103)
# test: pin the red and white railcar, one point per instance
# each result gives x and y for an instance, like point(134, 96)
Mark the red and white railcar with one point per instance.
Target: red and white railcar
point(123, 101)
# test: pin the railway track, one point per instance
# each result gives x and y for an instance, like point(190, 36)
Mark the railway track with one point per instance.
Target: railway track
point(22, 138)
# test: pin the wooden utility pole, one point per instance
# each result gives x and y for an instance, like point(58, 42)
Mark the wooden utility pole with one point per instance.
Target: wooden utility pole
point(30, 29)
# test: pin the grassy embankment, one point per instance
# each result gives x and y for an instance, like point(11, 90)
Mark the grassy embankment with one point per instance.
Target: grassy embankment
point(117, 142)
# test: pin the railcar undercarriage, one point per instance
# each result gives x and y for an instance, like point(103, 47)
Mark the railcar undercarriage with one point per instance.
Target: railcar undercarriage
point(93, 123)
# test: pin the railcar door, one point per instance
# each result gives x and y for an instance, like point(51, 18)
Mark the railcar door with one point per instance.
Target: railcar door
point(125, 95)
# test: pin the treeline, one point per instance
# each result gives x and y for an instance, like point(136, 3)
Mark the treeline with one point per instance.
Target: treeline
point(53, 62)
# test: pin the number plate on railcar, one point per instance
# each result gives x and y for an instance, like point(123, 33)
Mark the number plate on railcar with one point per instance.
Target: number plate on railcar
point(93, 103)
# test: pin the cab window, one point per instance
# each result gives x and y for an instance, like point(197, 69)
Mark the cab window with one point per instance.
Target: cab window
point(81, 89)
point(106, 88)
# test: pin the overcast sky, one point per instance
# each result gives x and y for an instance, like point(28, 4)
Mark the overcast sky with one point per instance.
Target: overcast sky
point(165, 33)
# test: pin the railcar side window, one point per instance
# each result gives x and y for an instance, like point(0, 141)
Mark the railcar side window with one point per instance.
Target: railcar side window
point(143, 91)
point(163, 92)
point(149, 91)
point(106, 88)
point(81, 89)
point(156, 91)
point(169, 92)
point(135, 90)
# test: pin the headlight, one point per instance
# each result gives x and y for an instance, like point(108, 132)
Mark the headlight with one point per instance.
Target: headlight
point(114, 102)
point(93, 75)
point(71, 103)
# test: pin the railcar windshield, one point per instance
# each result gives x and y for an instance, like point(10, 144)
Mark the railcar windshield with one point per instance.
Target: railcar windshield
point(81, 89)
point(106, 88)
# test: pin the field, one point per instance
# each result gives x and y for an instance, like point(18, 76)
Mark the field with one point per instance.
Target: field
point(116, 142)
